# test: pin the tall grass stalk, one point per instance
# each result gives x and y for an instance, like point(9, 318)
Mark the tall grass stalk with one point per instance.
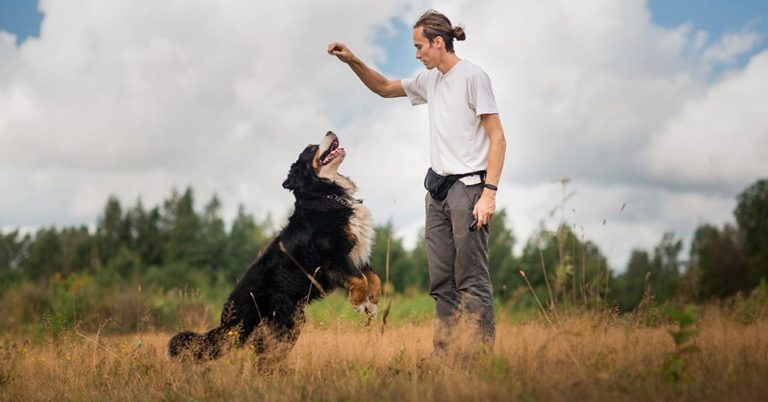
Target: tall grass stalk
point(558, 334)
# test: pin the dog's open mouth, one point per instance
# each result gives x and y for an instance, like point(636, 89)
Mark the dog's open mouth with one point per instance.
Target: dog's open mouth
point(332, 153)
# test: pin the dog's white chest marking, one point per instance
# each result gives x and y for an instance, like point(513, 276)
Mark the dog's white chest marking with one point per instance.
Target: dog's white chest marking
point(361, 229)
point(360, 225)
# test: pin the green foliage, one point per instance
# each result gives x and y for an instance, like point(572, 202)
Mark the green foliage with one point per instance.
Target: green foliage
point(675, 366)
point(628, 288)
point(564, 268)
point(755, 307)
point(665, 267)
point(752, 216)
point(717, 256)
point(45, 255)
point(403, 273)
point(661, 270)
point(137, 257)
point(243, 243)
point(112, 230)
point(501, 260)
point(415, 309)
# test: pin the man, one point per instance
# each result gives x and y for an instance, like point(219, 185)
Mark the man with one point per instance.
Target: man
point(467, 145)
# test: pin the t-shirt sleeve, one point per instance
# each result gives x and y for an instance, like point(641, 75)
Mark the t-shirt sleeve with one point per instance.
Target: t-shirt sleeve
point(481, 97)
point(416, 88)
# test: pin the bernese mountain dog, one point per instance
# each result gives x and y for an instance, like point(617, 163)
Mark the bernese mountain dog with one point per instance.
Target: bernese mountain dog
point(325, 245)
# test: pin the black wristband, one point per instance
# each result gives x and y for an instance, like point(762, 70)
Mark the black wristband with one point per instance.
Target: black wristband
point(490, 186)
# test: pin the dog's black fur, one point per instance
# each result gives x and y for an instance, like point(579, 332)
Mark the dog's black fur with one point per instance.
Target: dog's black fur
point(308, 258)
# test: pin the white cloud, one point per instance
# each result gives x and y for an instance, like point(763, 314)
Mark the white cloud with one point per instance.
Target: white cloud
point(718, 142)
point(130, 99)
point(730, 47)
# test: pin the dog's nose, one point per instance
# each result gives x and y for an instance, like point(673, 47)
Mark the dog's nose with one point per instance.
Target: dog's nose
point(330, 133)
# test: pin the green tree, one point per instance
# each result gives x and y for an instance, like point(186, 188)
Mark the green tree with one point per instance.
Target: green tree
point(752, 216)
point(665, 272)
point(111, 230)
point(146, 239)
point(213, 238)
point(77, 249)
point(662, 270)
point(181, 230)
point(718, 258)
point(575, 268)
point(418, 259)
point(245, 240)
point(628, 288)
point(501, 259)
point(402, 274)
point(13, 250)
point(45, 256)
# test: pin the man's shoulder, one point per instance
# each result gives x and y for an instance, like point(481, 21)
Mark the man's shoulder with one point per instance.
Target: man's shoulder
point(471, 68)
point(473, 72)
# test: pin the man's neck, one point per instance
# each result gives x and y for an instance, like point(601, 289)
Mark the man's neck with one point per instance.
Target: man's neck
point(449, 60)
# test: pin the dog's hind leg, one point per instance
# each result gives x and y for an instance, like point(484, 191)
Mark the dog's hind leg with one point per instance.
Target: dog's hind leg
point(274, 339)
point(199, 347)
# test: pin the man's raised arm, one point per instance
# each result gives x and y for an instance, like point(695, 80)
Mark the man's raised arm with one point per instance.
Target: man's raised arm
point(376, 82)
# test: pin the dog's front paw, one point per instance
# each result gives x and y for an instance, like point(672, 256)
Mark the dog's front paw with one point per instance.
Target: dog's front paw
point(374, 287)
point(369, 308)
point(358, 290)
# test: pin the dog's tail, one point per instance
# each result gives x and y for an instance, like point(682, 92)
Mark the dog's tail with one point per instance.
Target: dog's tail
point(195, 346)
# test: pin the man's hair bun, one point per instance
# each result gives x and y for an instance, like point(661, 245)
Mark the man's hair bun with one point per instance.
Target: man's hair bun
point(458, 33)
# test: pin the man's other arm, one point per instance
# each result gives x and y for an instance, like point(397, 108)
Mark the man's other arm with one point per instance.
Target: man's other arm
point(486, 205)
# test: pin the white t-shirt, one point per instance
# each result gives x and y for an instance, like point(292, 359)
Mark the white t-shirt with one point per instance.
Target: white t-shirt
point(457, 140)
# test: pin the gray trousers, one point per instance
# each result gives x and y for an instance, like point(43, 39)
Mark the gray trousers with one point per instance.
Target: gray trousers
point(458, 264)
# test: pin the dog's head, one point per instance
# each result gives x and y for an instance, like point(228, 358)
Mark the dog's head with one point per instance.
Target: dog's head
point(317, 168)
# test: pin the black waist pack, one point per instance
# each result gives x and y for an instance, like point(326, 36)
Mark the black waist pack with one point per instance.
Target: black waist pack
point(438, 185)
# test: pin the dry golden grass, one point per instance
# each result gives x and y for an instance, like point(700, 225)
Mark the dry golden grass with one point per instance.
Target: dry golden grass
point(593, 358)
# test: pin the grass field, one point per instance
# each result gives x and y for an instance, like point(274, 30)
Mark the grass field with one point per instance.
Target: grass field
point(583, 356)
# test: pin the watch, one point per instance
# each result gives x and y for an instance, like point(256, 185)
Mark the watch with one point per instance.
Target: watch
point(490, 186)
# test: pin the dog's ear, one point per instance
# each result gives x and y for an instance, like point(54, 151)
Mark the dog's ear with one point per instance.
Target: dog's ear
point(300, 169)
point(294, 175)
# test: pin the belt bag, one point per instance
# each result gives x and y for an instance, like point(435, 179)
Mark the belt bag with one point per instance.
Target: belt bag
point(438, 185)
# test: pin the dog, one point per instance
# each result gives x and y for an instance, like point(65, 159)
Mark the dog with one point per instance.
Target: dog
point(325, 245)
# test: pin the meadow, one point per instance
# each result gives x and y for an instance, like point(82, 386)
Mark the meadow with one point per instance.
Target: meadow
point(716, 352)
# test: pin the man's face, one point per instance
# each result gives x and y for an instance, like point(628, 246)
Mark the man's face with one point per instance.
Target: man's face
point(427, 53)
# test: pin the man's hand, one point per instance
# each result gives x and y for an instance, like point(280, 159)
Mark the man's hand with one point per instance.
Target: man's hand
point(485, 207)
point(341, 51)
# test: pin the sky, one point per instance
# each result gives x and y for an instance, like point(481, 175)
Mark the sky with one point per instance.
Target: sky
point(654, 109)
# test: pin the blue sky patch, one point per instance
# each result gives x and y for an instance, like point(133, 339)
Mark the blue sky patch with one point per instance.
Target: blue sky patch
point(401, 55)
point(717, 17)
point(20, 17)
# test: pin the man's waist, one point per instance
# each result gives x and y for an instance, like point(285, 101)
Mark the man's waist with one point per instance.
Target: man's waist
point(472, 180)
point(468, 178)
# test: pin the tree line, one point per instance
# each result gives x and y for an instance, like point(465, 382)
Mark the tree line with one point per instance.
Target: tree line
point(176, 245)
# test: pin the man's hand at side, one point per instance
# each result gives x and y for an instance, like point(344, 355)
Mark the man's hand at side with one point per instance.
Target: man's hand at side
point(485, 207)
